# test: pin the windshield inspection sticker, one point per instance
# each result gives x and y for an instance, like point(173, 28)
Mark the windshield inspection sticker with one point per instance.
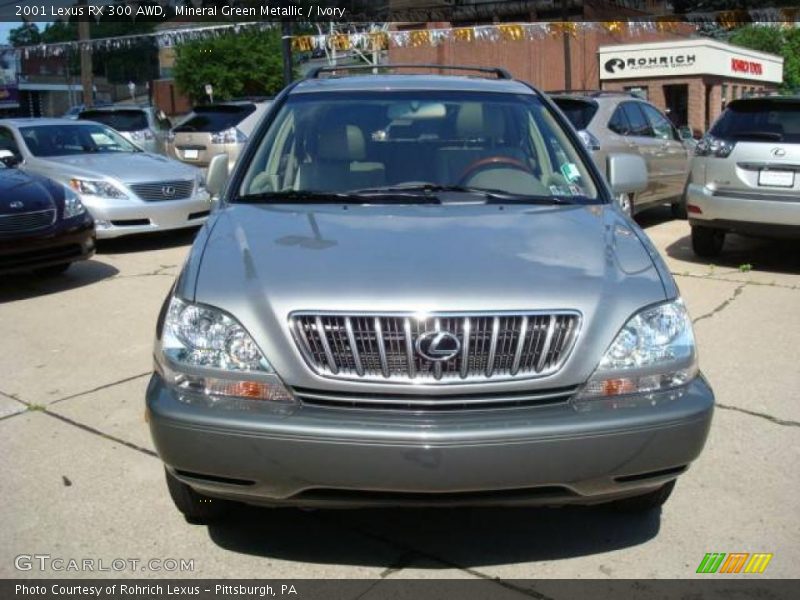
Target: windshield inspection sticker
point(570, 172)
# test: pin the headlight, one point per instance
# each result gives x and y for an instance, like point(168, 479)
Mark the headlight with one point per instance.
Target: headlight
point(228, 136)
point(72, 204)
point(101, 189)
point(200, 181)
point(711, 146)
point(205, 350)
point(589, 140)
point(653, 352)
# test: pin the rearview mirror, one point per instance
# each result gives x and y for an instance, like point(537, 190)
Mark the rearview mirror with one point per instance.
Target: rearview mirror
point(217, 175)
point(627, 173)
point(415, 111)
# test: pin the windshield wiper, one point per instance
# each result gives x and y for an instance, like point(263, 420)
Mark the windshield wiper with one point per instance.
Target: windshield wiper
point(317, 197)
point(490, 196)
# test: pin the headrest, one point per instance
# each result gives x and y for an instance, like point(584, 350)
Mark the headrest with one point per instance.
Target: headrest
point(341, 142)
point(475, 119)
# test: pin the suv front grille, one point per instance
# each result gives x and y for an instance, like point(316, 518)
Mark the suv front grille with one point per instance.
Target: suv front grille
point(27, 221)
point(163, 190)
point(387, 347)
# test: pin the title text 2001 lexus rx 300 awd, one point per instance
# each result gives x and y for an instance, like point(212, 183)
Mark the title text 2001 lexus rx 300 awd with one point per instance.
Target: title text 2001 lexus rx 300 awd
point(417, 290)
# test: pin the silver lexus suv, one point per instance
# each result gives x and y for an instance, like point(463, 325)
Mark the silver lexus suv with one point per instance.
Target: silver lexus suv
point(746, 174)
point(610, 122)
point(418, 290)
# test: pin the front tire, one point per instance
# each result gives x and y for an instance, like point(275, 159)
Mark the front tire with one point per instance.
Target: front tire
point(645, 502)
point(706, 241)
point(679, 210)
point(196, 508)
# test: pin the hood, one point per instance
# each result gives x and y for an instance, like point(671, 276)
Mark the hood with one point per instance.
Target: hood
point(27, 192)
point(139, 167)
point(260, 263)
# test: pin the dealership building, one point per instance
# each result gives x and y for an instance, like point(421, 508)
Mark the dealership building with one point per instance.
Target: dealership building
point(691, 79)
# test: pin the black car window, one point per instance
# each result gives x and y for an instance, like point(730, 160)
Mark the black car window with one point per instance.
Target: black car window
point(619, 122)
point(662, 127)
point(763, 119)
point(579, 112)
point(7, 141)
point(121, 120)
point(215, 118)
point(639, 125)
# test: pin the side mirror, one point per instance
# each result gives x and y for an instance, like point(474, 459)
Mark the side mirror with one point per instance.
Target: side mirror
point(9, 159)
point(627, 173)
point(217, 175)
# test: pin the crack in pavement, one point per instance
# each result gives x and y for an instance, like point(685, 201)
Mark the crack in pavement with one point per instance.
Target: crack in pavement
point(724, 279)
point(101, 387)
point(411, 551)
point(103, 435)
point(753, 413)
point(736, 293)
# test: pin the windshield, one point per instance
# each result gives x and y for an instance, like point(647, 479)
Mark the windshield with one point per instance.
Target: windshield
point(65, 140)
point(579, 112)
point(121, 120)
point(767, 120)
point(334, 143)
point(213, 119)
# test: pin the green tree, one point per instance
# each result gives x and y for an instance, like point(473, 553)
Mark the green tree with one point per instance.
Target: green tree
point(775, 40)
point(24, 35)
point(243, 64)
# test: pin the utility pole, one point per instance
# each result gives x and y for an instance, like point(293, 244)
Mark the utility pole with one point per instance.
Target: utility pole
point(567, 48)
point(86, 55)
point(286, 46)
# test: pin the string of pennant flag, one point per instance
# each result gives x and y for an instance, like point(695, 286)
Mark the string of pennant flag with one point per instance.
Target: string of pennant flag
point(383, 39)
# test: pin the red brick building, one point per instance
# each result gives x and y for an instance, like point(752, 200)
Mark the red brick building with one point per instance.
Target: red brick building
point(541, 61)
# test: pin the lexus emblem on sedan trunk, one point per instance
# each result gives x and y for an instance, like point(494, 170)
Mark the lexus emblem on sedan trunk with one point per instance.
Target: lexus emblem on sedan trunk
point(438, 345)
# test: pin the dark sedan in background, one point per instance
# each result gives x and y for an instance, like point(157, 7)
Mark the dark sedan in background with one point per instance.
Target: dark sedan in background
point(43, 225)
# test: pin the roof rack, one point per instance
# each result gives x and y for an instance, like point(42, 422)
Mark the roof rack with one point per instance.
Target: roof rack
point(591, 93)
point(500, 73)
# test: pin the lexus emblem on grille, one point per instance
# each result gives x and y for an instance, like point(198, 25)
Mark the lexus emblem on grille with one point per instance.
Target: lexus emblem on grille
point(16, 204)
point(778, 152)
point(168, 191)
point(438, 345)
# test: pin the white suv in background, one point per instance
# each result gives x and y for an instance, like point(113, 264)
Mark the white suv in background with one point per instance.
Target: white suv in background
point(745, 175)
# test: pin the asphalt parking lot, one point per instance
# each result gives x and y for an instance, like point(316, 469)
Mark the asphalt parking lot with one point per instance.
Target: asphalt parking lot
point(81, 479)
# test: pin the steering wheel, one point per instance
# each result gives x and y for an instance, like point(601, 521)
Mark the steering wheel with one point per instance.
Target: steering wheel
point(492, 161)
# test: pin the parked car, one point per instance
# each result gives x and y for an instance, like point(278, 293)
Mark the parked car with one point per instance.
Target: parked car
point(746, 174)
point(43, 225)
point(215, 129)
point(125, 189)
point(74, 111)
point(145, 126)
point(612, 122)
point(418, 290)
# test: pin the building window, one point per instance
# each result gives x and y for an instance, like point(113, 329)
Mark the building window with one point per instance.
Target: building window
point(724, 93)
point(735, 91)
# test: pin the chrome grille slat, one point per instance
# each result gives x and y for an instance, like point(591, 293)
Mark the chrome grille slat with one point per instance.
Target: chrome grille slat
point(154, 190)
point(382, 347)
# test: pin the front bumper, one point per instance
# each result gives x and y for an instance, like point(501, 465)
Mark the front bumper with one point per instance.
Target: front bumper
point(313, 456)
point(115, 218)
point(745, 212)
point(66, 242)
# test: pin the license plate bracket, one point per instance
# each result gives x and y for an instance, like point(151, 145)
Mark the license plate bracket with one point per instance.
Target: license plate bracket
point(776, 178)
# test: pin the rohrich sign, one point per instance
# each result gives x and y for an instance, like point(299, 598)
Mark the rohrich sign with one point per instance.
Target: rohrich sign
point(688, 57)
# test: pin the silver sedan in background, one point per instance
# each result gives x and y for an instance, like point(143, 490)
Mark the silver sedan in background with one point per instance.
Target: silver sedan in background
point(126, 189)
